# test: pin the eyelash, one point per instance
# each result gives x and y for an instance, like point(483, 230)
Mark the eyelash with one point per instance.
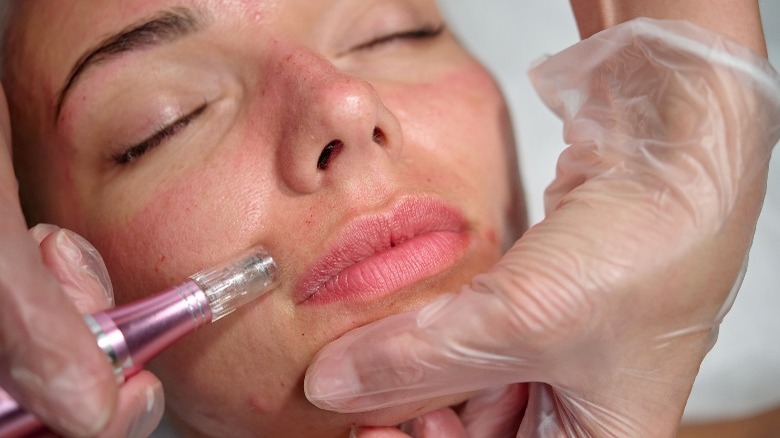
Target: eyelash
point(160, 135)
point(423, 33)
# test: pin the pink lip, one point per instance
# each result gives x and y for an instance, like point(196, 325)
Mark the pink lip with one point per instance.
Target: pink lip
point(376, 255)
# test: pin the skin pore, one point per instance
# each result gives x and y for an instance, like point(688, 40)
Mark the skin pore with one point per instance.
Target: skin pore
point(173, 134)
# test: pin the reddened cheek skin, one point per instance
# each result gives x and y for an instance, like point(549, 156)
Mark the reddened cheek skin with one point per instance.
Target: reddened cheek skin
point(164, 241)
point(458, 119)
point(471, 82)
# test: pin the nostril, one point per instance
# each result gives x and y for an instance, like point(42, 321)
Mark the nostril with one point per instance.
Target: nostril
point(378, 136)
point(329, 152)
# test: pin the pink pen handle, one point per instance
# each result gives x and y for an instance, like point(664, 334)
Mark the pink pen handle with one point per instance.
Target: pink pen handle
point(130, 336)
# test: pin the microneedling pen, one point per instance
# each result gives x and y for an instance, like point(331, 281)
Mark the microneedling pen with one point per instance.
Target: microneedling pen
point(134, 333)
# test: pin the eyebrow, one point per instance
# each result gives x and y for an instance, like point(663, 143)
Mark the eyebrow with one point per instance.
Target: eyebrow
point(164, 27)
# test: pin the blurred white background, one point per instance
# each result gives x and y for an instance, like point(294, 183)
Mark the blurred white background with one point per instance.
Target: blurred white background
point(741, 375)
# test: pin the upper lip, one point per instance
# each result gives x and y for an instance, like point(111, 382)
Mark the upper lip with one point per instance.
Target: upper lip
point(371, 234)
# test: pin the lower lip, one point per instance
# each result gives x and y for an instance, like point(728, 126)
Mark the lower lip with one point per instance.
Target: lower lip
point(382, 274)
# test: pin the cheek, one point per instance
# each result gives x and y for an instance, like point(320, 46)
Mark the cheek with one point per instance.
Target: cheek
point(462, 116)
point(189, 223)
point(461, 121)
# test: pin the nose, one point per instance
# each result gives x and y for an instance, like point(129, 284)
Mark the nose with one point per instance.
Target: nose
point(336, 127)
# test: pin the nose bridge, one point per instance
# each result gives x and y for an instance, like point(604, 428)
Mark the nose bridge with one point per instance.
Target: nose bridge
point(336, 123)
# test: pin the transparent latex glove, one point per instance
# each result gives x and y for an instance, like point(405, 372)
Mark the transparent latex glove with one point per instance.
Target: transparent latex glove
point(82, 277)
point(495, 412)
point(442, 423)
point(49, 360)
point(612, 301)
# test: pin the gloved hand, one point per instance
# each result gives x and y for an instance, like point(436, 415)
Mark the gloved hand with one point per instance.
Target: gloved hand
point(494, 412)
point(611, 302)
point(49, 360)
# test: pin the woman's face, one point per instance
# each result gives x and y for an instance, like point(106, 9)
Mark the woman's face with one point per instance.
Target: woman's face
point(355, 139)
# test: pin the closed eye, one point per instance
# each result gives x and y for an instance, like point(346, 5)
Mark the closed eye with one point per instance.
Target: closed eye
point(423, 33)
point(132, 153)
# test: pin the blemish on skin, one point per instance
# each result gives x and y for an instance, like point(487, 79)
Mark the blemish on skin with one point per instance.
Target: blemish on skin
point(258, 404)
point(491, 236)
